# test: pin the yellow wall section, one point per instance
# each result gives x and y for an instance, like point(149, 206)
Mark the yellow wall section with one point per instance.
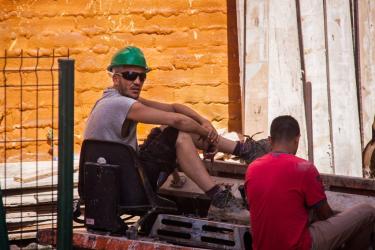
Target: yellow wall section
point(186, 43)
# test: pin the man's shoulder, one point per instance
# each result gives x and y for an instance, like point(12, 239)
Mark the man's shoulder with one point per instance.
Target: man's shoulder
point(303, 162)
point(116, 99)
point(300, 163)
point(281, 159)
point(259, 164)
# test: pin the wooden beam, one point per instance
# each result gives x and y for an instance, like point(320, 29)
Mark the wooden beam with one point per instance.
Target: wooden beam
point(285, 90)
point(256, 68)
point(240, 7)
point(312, 21)
point(10, 175)
point(367, 64)
point(336, 182)
point(343, 90)
point(33, 175)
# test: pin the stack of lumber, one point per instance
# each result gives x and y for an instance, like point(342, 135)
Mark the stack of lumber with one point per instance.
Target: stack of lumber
point(30, 196)
point(283, 46)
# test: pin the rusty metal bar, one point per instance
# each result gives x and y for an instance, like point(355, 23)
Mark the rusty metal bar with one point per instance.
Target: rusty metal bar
point(85, 240)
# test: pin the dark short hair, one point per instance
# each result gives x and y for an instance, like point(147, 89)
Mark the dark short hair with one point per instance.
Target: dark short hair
point(285, 128)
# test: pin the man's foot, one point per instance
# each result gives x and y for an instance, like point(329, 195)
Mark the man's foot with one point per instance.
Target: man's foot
point(252, 149)
point(225, 207)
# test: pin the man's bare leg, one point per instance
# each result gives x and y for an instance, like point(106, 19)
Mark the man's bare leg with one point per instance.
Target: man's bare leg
point(190, 162)
point(248, 150)
point(224, 145)
point(223, 203)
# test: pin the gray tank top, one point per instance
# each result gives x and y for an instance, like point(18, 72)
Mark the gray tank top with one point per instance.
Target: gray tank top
point(107, 120)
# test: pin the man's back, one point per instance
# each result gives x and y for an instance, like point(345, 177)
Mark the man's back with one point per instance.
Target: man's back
point(280, 188)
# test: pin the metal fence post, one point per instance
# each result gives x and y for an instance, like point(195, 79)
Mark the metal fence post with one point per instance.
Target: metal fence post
point(4, 241)
point(65, 159)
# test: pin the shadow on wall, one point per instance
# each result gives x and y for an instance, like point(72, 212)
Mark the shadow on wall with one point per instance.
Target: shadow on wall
point(234, 90)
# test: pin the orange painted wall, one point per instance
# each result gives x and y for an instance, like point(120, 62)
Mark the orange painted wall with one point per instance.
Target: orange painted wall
point(190, 44)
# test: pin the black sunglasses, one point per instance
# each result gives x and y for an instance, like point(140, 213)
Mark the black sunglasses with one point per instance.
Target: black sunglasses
point(131, 76)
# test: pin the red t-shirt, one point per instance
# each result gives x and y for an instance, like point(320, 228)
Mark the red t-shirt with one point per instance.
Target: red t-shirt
point(280, 189)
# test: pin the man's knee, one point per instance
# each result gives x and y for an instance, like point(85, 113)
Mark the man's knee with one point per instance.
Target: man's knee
point(182, 138)
point(366, 209)
point(363, 212)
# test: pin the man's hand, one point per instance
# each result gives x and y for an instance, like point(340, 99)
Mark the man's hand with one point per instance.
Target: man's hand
point(323, 211)
point(211, 140)
point(213, 136)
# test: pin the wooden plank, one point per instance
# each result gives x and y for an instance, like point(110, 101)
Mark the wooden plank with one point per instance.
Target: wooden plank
point(349, 184)
point(26, 235)
point(338, 201)
point(285, 93)
point(240, 7)
point(27, 218)
point(31, 199)
point(11, 184)
point(367, 64)
point(256, 69)
point(38, 176)
point(345, 183)
point(30, 226)
point(312, 22)
point(343, 92)
point(11, 171)
point(341, 201)
point(33, 175)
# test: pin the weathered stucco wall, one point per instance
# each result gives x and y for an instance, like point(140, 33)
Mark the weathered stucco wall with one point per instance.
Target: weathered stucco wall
point(188, 43)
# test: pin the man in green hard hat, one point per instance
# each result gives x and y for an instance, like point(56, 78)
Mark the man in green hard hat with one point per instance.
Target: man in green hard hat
point(116, 114)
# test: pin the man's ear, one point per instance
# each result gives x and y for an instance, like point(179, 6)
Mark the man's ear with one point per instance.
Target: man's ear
point(115, 80)
point(270, 139)
point(296, 140)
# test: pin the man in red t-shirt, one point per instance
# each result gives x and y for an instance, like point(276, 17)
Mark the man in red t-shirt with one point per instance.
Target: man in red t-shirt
point(282, 189)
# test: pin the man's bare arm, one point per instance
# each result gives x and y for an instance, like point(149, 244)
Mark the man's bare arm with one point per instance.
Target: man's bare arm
point(145, 114)
point(174, 107)
point(157, 105)
point(184, 110)
point(323, 211)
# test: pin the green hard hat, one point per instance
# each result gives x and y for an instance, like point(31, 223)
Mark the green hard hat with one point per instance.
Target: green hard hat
point(129, 56)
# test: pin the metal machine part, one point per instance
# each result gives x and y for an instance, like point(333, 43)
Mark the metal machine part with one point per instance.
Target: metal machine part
point(201, 233)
